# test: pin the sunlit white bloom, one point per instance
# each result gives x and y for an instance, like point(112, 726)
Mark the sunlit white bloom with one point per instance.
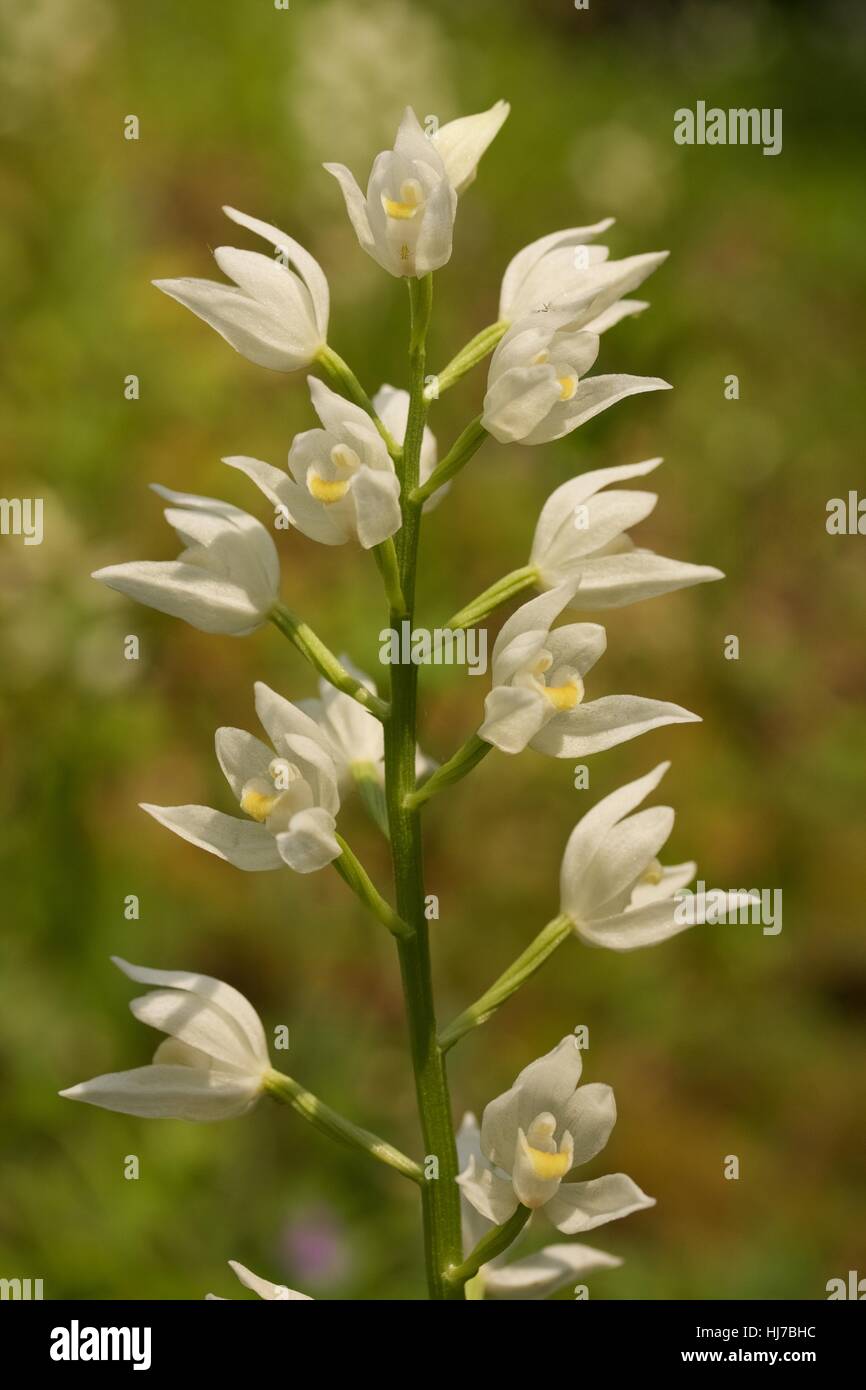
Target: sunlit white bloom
point(564, 274)
point(211, 1066)
point(351, 737)
point(535, 1134)
point(461, 143)
point(537, 694)
point(392, 407)
point(531, 1277)
point(276, 312)
point(288, 792)
point(612, 885)
point(226, 580)
point(341, 484)
point(272, 1293)
point(536, 386)
point(406, 220)
point(581, 535)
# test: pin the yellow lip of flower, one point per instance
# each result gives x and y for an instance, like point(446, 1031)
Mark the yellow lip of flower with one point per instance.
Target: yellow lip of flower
point(567, 387)
point(653, 873)
point(258, 804)
point(408, 205)
point(326, 490)
point(564, 697)
point(546, 1166)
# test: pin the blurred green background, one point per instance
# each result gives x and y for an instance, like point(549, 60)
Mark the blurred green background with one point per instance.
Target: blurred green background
point(724, 1041)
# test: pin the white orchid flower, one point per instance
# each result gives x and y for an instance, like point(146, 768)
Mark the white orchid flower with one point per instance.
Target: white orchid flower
point(212, 1065)
point(461, 143)
point(563, 274)
point(531, 1277)
point(612, 885)
point(226, 580)
point(271, 1293)
point(534, 388)
point(392, 407)
point(535, 1134)
point(341, 484)
point(274, 314)
point(581, 535)
point(406, 220)
point(289, 792)
point(537, 694)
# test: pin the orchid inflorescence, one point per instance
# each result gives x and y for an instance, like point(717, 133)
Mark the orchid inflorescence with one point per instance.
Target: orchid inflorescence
point(366, 475)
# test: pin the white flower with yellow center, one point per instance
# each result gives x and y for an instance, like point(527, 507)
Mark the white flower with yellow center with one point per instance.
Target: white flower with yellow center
point(341, 484)
point(537, 699)
point(226, 580)
point(213, 1064)
point(406, 220)
point(531, 1277)
point(581, 536)
point(289, 794)
point(276, 312)
point(534, 387)
point(612, 885)
point(271, 1293)
point(564, 274)
point(535, 1134)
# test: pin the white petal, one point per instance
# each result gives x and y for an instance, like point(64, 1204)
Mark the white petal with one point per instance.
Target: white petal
point(621, 858)
point(279, 718)
point(601, 724)
point(512, 717)
point(264, 1288)
point(593, 395)
point(242, 757)
point(198, 1023)
point(519, 402)
point(206, 987)
point(309, 843)
point(461, 143)
point(186, 591)
point(306, 265)
point(246, 325)
point(377, 506)
point(589, 834)
point(280, 291)
point(589, 1116)
point(491, 1196)
point(521, 264)
point(167, 1092)
point(611, 581)
point(356, 205)
point(537, 1276)
point(674, 877)
point(526, 629)
point(243, 843)
point(581, 1206)
point(621, 309)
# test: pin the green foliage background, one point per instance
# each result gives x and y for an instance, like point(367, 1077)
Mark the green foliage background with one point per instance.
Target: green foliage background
point(722, 1042)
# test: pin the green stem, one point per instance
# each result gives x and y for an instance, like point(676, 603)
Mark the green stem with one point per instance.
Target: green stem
point(496, 1242)
point(441, 1195)
point(461, 451)
point(498, 593)
point(287, 1091)
point(467, 757)
point(386, 559)
point(549, 939)
point(469, 356)
point(310, 646)
point(343, 379)
point(352, 871)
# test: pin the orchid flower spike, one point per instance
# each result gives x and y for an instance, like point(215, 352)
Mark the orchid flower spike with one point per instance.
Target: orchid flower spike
point(535, 1134)
point(535, 386)
point(532, 1277)
point(564, 274)
point(212, 1065)
point(289, 792)
point(341, 484)
point(226, 580)
point(612, 885)
point(271, 1293)
point(537, 694)
point(581, 536)
point(276, 312)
